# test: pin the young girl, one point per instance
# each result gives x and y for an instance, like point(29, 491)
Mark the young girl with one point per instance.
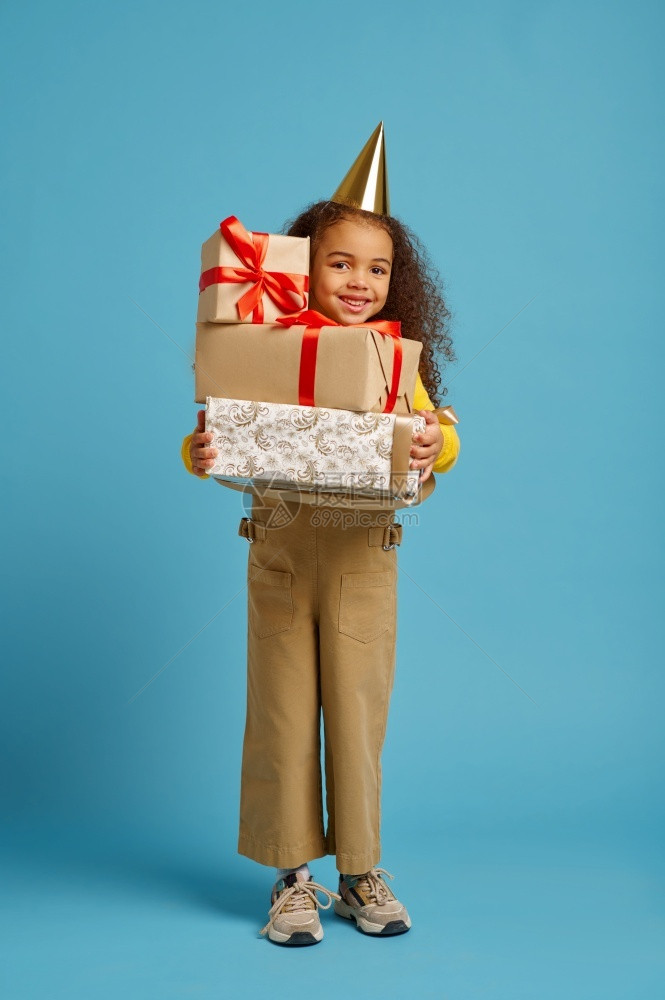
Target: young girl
point(322, 612)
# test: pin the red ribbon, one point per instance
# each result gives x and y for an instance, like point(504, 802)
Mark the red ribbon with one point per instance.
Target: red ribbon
point(313, 321)
point(251, 248)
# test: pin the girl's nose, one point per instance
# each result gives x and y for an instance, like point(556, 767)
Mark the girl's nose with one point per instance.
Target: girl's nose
point(357, 281)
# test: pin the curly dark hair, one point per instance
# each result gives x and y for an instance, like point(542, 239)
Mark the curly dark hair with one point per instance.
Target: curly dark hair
point(414, 297)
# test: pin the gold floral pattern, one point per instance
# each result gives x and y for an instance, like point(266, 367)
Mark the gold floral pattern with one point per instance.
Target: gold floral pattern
point(304, 447)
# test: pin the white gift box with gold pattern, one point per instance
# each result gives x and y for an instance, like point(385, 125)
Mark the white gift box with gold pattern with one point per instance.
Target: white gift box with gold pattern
point(313, 448)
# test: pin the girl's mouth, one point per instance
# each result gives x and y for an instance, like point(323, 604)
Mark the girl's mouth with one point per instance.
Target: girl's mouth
point(354, 305)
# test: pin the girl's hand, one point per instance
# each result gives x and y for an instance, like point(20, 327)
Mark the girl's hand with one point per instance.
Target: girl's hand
point(427, 445)
point(202, 457)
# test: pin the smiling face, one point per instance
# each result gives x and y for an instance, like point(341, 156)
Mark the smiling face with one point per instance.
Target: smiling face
point(350, 272)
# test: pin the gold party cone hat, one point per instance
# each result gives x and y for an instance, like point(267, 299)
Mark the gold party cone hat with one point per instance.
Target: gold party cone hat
point(366, 184)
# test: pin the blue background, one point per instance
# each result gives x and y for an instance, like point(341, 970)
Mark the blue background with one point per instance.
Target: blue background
point(523, 813)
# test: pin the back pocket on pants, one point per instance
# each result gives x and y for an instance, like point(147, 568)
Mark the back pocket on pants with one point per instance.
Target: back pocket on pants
point(270, 600)
point(366, 604)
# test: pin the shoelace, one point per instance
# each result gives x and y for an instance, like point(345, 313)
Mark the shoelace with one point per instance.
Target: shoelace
point(301, 895)
point(377, 890)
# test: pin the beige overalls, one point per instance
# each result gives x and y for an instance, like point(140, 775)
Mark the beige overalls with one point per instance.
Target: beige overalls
point(321, 636)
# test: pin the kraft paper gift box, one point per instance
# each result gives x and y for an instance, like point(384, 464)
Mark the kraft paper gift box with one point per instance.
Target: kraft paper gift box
point(313, 448)
point(353, 371)
point(251, 277)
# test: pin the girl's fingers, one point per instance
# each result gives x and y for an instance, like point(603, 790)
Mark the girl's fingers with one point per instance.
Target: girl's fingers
point(201, 467)
point(420, 461)
point(423, 454)
point(422, 441)
point(202, 456)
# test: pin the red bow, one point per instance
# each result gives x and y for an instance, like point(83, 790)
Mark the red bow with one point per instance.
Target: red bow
point(313, 321)
point(251, 249)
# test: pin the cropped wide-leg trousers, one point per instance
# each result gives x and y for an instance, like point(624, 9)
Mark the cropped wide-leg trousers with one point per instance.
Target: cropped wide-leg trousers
point(321, 637)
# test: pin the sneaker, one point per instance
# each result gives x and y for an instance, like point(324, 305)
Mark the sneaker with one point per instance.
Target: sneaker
point(368, 900)
point(294, 918)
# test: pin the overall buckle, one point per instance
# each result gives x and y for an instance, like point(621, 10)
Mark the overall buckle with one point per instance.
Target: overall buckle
point(392, 536)
point(246, 529)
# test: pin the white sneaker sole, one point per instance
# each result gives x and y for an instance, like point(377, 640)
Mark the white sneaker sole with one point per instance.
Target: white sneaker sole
point(296, 938)
point(397, 926)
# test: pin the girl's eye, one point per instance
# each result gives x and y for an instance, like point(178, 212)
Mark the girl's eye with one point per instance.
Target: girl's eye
point(343, 265)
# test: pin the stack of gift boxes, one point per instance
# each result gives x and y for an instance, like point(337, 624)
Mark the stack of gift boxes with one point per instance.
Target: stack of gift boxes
point(294, 402)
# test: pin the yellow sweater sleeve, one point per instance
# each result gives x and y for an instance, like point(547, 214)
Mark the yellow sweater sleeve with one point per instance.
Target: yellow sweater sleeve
point(184, 453)
point(451, 442)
